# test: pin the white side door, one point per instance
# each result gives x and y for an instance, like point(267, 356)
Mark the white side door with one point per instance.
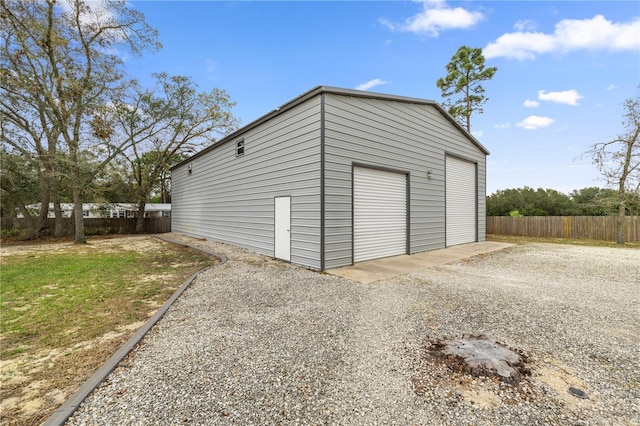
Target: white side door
point(283, 228)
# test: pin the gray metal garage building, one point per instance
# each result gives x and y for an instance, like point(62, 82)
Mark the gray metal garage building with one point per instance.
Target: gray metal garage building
point(337, 176)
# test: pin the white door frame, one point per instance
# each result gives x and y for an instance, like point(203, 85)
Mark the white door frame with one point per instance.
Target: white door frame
point(282, 228)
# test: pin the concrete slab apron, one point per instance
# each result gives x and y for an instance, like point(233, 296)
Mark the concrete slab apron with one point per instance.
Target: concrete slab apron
point(380, 269)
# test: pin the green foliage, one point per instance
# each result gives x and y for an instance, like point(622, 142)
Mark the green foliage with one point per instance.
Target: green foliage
point(115, 185)
point(465, 73)
point(592, 201)
point(13, 233)
point(97, 231)
point(161, 126)
point(18, 178)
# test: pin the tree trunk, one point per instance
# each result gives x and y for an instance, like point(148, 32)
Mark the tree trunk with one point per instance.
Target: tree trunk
point(54, 189)
point(468, 114)
point(140, 218)
point(58, 223)
point(78, 216)
point(164, 190)
point(77, 190)
point(621, 216)
point(31, 224)
point(78, 220)
point(44, 209)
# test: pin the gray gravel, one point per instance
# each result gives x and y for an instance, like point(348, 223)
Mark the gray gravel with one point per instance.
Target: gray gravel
point(257, 341)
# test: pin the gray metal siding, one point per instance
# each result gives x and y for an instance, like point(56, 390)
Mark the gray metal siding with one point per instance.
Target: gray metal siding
point(231, 199)
point(399, 135)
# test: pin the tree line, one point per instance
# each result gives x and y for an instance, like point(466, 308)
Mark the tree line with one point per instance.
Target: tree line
point(591, 201)
point(75, 127)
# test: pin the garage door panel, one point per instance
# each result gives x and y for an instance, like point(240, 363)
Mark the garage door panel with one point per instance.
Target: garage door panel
point(461, 201)
point(379, 213)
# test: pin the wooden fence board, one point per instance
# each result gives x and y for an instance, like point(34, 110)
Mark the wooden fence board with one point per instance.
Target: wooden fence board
point(576, 227)
point(93, 226)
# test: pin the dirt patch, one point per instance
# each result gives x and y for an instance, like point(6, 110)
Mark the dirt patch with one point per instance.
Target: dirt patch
point(540, 380)
point(39, 383)
point(139, 243)
point(560, 379)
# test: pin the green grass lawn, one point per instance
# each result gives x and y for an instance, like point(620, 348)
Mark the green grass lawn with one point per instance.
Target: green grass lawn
point(55, 299)
point(518, 239)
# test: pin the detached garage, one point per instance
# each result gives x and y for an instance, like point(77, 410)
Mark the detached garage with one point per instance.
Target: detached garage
point(337, 176)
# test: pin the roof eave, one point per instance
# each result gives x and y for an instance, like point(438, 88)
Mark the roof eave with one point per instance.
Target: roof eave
point(337, 91)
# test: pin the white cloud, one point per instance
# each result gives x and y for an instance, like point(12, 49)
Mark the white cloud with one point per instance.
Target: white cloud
point(477, 134)
point(568, 97)
point(502, 126)
point(96, 12)
point(534, 122)
point(371, 83)
point(531, 104)
point(569, 35)
point(436, 16)
point(612, 87)
point(525, 25)
point(103, 15)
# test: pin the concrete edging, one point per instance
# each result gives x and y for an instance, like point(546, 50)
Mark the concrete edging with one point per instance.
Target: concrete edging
point(66, 410)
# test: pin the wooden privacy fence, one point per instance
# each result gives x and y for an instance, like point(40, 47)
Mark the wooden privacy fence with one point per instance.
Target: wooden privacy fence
point(97, 226)
point(578, 227)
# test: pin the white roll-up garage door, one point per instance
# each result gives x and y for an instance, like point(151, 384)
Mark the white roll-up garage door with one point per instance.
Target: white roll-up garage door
point(461, 201)
point(379, 213)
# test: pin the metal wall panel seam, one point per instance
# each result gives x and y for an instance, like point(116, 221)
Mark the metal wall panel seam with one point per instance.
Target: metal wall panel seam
point(322, 171)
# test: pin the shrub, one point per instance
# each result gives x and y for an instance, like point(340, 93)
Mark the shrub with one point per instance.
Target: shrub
point(13, 233)
point(97, 231)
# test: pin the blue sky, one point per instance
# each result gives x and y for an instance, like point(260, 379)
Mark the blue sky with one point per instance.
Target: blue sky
point(564, 67)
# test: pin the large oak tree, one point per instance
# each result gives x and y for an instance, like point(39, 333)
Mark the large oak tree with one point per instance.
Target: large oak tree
point(162, 125)
point(62, 58)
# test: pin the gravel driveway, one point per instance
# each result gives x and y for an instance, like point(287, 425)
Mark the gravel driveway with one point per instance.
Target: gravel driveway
point(258, 341)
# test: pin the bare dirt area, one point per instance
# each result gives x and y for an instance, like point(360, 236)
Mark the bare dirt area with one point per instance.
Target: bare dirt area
point(34, 379)
point(103, 244)
point(40, 382)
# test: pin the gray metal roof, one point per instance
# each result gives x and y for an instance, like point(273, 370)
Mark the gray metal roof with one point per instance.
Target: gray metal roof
point(336, 91)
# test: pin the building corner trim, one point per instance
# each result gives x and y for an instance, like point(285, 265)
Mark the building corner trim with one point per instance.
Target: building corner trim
point(322, 195)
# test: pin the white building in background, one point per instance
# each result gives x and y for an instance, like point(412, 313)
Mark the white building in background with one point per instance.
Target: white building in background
point(111, 210)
